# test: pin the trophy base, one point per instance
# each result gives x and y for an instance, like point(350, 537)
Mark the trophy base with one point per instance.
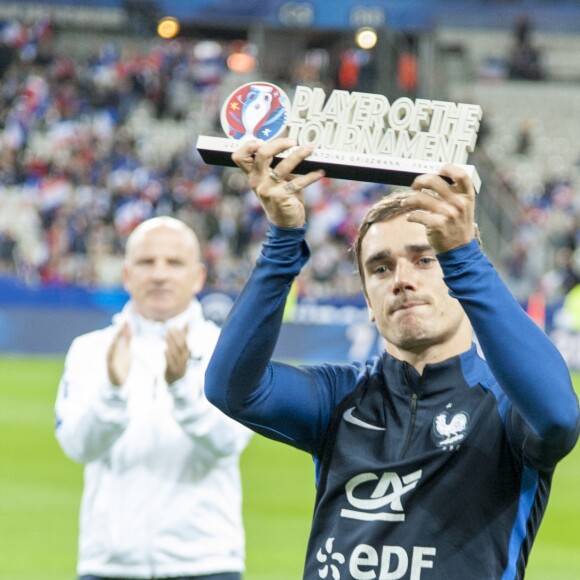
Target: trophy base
point(338, 164)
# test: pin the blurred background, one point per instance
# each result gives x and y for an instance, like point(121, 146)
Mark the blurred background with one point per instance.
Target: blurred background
point(101, 103)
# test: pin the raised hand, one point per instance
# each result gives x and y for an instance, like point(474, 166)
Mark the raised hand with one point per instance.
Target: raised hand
point(279, 191)
point(446, 210)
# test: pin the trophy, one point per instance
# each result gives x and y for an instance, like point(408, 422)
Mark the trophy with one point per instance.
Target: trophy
point(357, 136)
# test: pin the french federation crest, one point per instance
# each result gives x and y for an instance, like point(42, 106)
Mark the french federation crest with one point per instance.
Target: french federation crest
point(449, 430)
point(255, 110)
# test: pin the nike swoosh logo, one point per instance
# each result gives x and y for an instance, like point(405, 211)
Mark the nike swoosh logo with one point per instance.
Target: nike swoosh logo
point(350, 418)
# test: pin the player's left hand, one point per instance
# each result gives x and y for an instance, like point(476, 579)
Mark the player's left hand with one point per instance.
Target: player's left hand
point(447, 210)
point(176, 354)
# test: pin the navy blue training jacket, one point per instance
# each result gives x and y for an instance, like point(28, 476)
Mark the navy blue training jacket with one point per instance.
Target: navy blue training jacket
point(444, 475)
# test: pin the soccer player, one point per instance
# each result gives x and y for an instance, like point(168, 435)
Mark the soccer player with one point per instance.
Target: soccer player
point(434, 459)
point(162, 493)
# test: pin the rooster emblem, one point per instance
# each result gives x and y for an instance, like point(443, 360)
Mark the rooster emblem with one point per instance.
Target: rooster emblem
point(450, 430)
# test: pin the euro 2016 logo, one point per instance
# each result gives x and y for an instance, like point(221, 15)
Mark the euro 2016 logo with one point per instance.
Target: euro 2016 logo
point(255, 111)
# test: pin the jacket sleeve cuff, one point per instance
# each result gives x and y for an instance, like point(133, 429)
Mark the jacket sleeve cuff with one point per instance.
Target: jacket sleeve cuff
point(462, 255)
point(111, 406)
point(184, 394)
point(285, 245)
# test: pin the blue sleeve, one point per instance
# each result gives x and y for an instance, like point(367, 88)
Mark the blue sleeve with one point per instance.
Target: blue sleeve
point(282, 402)
point(525, 362)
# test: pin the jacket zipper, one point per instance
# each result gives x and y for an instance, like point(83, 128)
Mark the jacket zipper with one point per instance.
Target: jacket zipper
point(414, 399)
point(151, 554)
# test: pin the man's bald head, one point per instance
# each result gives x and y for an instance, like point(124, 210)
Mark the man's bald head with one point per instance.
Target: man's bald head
point(163, 270)
point(163, 222)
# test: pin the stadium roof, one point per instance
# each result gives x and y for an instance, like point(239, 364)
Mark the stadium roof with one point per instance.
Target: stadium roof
point(562, 15)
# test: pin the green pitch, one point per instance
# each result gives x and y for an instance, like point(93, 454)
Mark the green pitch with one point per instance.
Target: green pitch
point(40, 491)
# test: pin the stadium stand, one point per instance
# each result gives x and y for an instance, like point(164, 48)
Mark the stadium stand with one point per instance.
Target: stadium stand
point(93, 145)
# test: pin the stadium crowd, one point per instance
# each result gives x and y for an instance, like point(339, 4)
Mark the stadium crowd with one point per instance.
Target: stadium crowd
point(90, 147)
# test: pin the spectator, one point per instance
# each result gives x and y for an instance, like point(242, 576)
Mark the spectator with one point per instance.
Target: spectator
point(524, 58)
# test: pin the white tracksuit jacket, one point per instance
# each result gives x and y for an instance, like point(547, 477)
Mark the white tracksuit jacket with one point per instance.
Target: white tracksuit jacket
point(162, 494)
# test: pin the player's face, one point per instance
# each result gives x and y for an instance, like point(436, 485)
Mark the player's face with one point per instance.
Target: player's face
point(405, 292)
point(162, 273)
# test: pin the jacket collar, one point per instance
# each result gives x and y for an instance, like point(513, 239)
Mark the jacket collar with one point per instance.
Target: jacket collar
point(193, 316)
point(401, 377)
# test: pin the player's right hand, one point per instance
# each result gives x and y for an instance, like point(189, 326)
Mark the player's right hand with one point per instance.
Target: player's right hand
point(119, 356)
point(279, 191)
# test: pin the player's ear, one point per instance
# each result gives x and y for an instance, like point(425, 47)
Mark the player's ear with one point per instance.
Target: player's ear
point(126, 279)
point(369, 308)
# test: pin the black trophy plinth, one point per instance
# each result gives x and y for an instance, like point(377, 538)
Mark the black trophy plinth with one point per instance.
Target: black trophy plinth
point(338, 164)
